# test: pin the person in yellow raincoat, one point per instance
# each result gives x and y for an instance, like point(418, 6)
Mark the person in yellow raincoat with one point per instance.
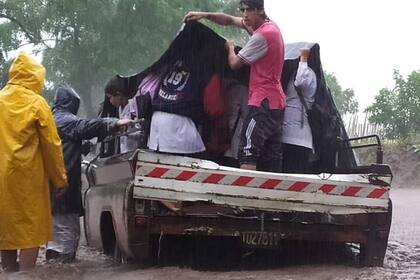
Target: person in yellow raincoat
point(30, 158)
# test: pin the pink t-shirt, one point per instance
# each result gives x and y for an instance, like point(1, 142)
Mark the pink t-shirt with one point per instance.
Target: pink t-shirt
point(265, 53)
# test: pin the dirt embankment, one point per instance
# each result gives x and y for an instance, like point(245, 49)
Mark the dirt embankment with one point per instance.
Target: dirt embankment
point(405, 165)
point(404, 162)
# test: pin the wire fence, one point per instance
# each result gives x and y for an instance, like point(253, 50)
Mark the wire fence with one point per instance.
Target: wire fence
point(358, 125)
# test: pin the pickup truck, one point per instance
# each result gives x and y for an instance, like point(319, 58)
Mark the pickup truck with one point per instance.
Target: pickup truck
point(226, 211)
point(124, 215)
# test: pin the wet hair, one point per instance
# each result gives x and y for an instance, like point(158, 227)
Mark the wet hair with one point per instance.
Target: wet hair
point(254, 4)
point(115, 86)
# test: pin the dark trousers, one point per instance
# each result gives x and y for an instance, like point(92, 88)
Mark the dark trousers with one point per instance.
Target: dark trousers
point(261, 138)
point(296, 159)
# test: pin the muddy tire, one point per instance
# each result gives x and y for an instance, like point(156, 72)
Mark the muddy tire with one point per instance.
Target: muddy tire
point(373, 252)
point(118, 256)
point(109, 241)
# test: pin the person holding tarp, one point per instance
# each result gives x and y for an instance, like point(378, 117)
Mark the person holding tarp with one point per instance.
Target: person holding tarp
point(261, 146)
point(297, 134)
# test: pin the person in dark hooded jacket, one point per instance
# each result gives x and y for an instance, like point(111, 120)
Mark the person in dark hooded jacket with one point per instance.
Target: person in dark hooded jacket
point(68, 208)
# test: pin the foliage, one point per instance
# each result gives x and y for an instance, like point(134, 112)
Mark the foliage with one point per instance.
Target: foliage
point(344, 99)
point(84, 43)
point(398, 110)
point(4, 71)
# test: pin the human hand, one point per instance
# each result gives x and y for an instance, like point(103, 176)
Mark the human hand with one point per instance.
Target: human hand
point(123, 123)
point(304, 54)
point(194, 16)
point(59, 192)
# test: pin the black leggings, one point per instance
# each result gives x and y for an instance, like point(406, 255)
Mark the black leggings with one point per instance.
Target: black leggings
point(296, 159)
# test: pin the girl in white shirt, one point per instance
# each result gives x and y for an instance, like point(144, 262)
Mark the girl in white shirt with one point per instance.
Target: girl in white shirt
point(297, 135)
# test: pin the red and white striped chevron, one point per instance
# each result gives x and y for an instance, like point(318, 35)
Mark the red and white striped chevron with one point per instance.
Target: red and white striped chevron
point(260, 180)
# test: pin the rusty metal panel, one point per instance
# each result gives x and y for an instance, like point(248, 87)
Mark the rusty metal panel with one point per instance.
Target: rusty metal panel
point(237, 228)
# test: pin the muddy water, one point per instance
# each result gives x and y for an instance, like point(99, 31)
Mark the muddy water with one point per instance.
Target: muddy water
point(402, 259)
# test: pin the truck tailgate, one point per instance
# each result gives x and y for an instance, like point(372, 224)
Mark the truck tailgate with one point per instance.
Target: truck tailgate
point(166, 177)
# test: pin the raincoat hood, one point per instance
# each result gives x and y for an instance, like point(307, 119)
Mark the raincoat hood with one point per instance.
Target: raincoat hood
point(27, 72)
point(66, 99)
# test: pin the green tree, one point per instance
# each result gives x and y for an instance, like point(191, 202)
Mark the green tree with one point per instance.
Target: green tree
point(398, 110)
point(344, 99)
point(83, 43)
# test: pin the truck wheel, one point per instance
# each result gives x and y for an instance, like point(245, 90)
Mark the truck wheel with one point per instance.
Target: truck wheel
point(109, 241)
point(373, 252)
point(118, 255)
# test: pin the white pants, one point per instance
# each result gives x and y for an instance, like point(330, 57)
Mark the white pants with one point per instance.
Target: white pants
point(66, 233)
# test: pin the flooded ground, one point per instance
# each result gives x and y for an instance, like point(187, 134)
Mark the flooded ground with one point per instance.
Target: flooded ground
point(402, 259)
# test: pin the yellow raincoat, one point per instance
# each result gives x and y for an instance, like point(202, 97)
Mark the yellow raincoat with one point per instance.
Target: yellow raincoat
point(30, 157)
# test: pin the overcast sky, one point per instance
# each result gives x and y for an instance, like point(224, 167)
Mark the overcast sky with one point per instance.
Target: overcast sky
point(361, 41)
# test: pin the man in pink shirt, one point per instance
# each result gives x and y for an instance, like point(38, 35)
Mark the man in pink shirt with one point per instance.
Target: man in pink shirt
point(261, 141)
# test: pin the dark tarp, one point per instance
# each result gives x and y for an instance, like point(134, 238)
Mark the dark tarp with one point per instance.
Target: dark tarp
point(195, 41)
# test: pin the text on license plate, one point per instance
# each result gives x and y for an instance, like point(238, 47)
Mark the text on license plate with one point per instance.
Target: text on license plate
point(260, 238)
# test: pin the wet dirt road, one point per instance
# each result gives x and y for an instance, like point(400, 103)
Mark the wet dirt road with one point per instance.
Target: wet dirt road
point(402, 259)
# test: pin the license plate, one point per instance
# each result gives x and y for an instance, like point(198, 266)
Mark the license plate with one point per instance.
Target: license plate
point(260, 239)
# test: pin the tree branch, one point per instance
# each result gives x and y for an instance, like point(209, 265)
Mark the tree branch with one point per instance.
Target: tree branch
point(31, 38)
point(42, 41)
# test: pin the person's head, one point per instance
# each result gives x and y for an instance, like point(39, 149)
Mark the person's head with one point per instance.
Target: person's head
point(252, 12)
point(115, 90)
point(67, 99)
point(25, 71)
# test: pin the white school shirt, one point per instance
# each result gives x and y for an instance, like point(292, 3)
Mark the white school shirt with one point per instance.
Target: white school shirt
point(293, 132)
point(171, 133)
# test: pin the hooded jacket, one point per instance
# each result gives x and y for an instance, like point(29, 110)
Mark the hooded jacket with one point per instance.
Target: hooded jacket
point(72, 131)
point(31, 156)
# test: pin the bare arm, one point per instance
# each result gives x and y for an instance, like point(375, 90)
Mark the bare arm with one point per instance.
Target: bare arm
point(235, 62)
point(219, 18)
